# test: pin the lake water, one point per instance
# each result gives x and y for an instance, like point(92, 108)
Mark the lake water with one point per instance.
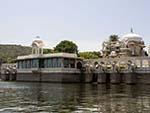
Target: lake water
point(22, 97)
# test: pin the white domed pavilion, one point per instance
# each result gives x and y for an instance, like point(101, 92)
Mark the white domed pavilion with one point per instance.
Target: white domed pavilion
point(37, 46)
point(134, 42)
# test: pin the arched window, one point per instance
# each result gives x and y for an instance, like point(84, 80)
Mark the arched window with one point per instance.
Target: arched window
point(79, 65)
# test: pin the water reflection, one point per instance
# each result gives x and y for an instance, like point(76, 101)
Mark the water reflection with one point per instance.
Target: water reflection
point(73, 98)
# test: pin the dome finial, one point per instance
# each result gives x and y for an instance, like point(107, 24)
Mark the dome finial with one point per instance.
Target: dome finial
point(37, 37)
point(132, 30)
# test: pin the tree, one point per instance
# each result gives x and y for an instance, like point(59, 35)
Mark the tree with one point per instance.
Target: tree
point(113, 37)
point(66, 46)
point(89, 55)
point(47, 51)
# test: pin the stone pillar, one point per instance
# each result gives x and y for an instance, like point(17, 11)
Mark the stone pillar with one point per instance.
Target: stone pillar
point(101, 78)
point(32, 50)
point(115, 78)
point(62, 63)
point(88, 77)
point(122, 78)
point(41, 51)
point(38, 51)
point(131, 78)
point(12, 77)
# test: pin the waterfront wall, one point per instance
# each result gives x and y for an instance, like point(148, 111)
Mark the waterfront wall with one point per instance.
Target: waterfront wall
point(118, 78)
point(91, 73)
point(99, 78)
point(50, 77)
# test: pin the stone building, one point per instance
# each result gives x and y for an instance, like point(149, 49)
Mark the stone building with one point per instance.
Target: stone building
point(129, 45)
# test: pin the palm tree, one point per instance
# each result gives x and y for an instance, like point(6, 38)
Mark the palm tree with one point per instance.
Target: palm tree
point(113, 38)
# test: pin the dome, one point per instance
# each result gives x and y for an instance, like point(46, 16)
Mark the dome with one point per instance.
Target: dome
point(37, 43)
point(132, 37)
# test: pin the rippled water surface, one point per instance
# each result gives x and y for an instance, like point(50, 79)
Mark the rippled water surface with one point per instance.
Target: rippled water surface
point(22, 97)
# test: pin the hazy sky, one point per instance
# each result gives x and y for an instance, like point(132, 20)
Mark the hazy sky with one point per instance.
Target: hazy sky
point(86, 22)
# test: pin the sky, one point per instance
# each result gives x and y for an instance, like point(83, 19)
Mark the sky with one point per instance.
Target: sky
point(86, 22)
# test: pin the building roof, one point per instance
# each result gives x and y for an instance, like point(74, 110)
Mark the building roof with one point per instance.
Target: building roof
point(63, 55)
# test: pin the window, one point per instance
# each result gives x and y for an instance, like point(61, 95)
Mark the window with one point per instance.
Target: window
point(55, 62)
point(19, 64)
point(79, 65)
point(23, 64)
point(72, 63)
point(59, 62)
point(28, 63)
point(41, 63)
point(45, 63)
point(66, 63)
point(49, 61)
point(35, 63)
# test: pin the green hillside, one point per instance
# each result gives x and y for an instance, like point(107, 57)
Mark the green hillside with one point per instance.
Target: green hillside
point(8, 53)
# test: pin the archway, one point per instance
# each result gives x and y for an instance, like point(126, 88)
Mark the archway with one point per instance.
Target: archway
point(79, 65)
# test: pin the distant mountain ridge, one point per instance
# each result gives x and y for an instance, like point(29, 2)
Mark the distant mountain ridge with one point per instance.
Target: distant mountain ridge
point(9, 52)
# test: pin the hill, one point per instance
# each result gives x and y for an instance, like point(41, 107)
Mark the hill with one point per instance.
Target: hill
point(8, 53)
